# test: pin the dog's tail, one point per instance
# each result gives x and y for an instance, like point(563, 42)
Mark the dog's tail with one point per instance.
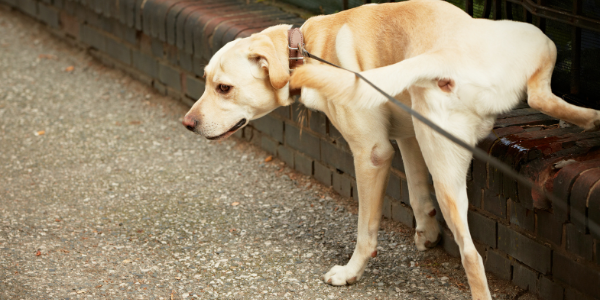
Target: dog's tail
point(340, 85)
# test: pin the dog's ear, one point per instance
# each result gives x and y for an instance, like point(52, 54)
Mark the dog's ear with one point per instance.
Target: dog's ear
point(263, 50)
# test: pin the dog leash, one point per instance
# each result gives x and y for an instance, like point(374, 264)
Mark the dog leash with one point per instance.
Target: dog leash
point(477, 153)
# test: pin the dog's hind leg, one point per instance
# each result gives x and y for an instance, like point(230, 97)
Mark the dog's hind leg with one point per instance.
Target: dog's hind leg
point(540, 97)
point(427, 233)
point(448, 164)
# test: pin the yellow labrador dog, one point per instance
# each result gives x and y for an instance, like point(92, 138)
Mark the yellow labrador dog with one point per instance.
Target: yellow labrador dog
point(458, 71)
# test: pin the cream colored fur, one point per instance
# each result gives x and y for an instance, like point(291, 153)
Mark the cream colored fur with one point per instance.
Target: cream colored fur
point(457, 71)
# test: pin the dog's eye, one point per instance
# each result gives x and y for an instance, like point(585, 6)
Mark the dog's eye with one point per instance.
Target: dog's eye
point(223, 89)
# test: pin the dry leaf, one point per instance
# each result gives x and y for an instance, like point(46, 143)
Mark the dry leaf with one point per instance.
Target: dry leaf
point(57, 220)
point(38, 253)
point(269, 158)
point(235, 204)
point(135, 122)
point(70, 69)
point(99, 286)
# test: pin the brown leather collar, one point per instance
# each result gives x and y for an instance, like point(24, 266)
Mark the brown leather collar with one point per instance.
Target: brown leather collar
point(295, 43)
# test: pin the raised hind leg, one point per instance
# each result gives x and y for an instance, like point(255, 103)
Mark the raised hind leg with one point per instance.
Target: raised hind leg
point(540, 97)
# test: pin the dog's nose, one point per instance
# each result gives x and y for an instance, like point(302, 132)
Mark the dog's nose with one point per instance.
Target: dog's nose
point(190, 123)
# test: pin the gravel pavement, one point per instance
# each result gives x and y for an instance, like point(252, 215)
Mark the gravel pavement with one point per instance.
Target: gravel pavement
point(105, 195)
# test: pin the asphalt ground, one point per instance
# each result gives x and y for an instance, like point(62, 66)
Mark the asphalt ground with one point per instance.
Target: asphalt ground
point(105, 195)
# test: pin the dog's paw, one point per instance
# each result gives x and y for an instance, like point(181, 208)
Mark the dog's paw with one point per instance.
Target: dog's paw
point(427, 235)
point(341, 275)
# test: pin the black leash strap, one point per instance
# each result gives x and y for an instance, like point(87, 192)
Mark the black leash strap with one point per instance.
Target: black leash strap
point(477, 153)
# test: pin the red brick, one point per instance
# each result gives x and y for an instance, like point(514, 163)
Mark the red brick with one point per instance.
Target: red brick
point(524, 249)
point(578, 276)
point(579, 196)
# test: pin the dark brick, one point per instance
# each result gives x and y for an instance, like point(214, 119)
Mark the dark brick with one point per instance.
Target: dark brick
point(198, 66)
point(169, 76)
point(98, 21)
point(495, 204)
point(138, 14)
point(397, 162)
point(322, 173)
point(12, 3)
point(338, 158)
point(405, 193)
point(498, 264)
point(118, 51)
point(286, 155)
point(208, 37)
point(318, 122)
point(28, 6)
point(186, 61)
point(283, 111)
point(594, 213)
point(548, 227)
point(597, 251)
point(449, 244)
point(524, 277)
point(171, 53)
point(536, 119)
point(482, 229)
point(578, 243)
point(269, 144)
point(157, 48)
point(524, 249)
point(256, 137)
point(342, 184)
point(571, 294)
point(70, 24)
point(386, 209)
point(171, 20)
point(161, 88)
point(548, 290)
point(576, 275)
point(563, 182)
point(354, 191)
point(474, 194)
point(337, 137)
point(271, 126)
point(303, 164)
point(579, 196)
point(403, 214)
point(522, 217)
point(194, 87)
point(196, 22)
point(49, 15)
point(394, 187)
point(305, 143)
point(145, 64)
point(239, 134)
point(125, 33)
point(93, 38)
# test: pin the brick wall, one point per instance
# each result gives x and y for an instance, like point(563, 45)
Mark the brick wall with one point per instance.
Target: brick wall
point(538, 245)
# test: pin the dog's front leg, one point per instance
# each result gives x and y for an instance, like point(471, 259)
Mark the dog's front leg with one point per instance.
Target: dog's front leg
point(372, 161)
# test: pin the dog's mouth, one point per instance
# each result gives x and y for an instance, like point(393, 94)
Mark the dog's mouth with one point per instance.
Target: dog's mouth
point(229, 132)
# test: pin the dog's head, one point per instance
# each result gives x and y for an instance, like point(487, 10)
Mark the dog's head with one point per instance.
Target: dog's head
point(245, 80)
